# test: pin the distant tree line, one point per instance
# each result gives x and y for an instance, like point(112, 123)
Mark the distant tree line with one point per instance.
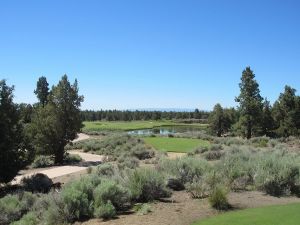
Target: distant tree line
point(255, 116)
point(127, 115)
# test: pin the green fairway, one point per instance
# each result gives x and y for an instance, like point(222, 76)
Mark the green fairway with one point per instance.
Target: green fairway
point(133, 125)
point(274, 215)
point(175, 144)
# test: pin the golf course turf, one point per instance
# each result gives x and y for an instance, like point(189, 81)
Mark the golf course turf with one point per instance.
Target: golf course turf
point(272, 215)
point(166, 144)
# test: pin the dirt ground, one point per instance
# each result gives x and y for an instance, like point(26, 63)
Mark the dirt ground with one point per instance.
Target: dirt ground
point(63, 173)
point(180, 209)
point(175, 155)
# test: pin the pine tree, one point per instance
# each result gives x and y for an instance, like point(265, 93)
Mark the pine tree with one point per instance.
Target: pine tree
point(250, 103)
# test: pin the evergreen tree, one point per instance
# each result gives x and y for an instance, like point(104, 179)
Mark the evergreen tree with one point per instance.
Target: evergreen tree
point(267, 123)
point(286, 112)
point(217, 121)
point(42, 90)
point(11, 135)
point(59, 121)
point(250, 104)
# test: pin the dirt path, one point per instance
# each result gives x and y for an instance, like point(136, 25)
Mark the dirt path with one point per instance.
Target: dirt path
point(175, 155)
point(81, 137)
point(60, 171)
point(180, 209)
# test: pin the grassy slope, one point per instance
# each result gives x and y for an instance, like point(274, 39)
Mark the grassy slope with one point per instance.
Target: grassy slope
point(127, 126)
point(175, 144)
point(274, 215)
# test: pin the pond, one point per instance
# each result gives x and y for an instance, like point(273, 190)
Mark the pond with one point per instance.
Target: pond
point(166, 130)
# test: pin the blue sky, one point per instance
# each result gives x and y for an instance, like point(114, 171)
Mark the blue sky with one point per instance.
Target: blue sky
point(150, 53)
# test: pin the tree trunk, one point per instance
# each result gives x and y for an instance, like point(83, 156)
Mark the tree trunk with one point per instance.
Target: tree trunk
point(249, 130)
point(59, 155)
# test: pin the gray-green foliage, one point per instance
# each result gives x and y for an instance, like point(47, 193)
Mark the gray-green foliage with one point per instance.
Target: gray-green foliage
point(237, 164)
point(78, 198)
point(105, 211)
point(42, 161)
point(13, 207)
point(146, 184)
point(28, 219)
point(278, 173)
point(119, 146)
point(186, 169)
point(109, 191)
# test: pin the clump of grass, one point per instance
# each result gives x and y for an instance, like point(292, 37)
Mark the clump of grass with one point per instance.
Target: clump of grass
point(142, 209)
point(218, 198)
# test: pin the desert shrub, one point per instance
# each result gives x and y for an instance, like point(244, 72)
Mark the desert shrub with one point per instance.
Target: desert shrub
point(175, 184)
point(10, 209)
point(28, 219)
point(198, 189)
point(218, 198)
point(76, 204)
point(37, 183)
point(260, 142)
point(42, 161)
point(106, 169)
point(273, 143)
point(111, 191)
point(142, 152)
point(201, 149)
point(55, 212)
point(117, 146)
point(147, 184)
point(201, 188)
point(77, 197)
point(238, 163)
point(213, 155)
point(13, 207)
point(72, 158)
point(127, 162)
point(278, 174)
point(216, 147)
point(105, 211)
point(186, 169)
point(234, 141)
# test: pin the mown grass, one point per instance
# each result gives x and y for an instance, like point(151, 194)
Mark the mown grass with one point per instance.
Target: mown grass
point(175, 144)
point(132, 125)
point(273, 215)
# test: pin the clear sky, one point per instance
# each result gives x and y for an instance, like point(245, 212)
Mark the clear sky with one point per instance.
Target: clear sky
point(150, 53)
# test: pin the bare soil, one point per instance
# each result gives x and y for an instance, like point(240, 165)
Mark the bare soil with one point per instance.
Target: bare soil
point(175, 155)
point(180, 209)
